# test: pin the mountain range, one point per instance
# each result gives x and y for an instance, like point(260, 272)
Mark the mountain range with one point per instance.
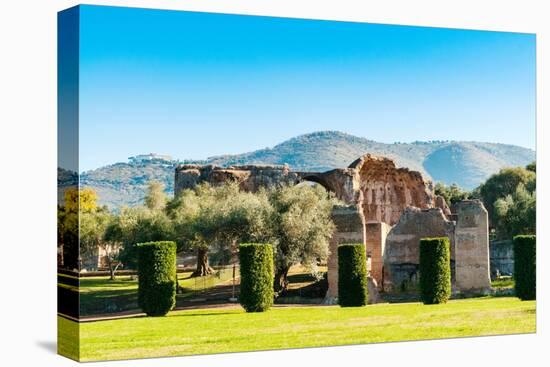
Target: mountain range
point(466, 163)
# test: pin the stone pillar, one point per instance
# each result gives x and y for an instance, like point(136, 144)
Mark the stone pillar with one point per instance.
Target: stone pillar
point(375, 233)
point(472, 247)
point(350, 228)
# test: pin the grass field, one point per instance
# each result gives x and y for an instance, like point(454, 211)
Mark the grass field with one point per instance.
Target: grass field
point(503, 283)
point(232, 330)
point(100, 295)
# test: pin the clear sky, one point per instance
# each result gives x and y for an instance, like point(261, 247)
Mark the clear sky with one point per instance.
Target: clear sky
point(194, 85)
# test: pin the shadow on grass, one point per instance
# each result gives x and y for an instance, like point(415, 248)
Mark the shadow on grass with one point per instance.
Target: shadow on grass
point(204, 314)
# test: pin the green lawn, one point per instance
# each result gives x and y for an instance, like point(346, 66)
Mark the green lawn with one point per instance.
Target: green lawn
point(100, 295)
point(503, 283)
point(232, 330)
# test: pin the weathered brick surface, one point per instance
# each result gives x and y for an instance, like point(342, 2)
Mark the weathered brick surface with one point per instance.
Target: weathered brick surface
point(350, 228)
point(387, 190)
point(402, 250)
point(379, 196)
point(472, 247)
point(375, 237)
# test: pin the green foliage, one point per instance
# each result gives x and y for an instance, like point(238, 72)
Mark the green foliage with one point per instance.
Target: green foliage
point(217, 218)
point(301, 226)
point(67, 237)
point(452, 193)
point(502, 184)
point(84, 200)
point(138, 225)
point(155, 198)
point(532, 167)
point(525, 266)
point(435, 270)
point(76, 204)
point(157, 277)
point(516, 213)
point(94, 227)
point(256, 267)
point(221, 215)
point(296, 219)
point(352, 275)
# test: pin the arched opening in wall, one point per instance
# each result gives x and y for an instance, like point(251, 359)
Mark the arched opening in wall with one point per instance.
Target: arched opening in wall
point(316, 181)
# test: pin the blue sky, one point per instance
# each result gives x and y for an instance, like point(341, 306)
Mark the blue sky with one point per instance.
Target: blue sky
point(194, 85)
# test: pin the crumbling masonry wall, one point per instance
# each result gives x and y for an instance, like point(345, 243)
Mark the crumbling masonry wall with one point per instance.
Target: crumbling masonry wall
point(402, 250)
point(250, 177)
point(379, 196)
point(350, 228)
point(386, 191)
point(472, 247)
point(375, 239)
point(469, 247)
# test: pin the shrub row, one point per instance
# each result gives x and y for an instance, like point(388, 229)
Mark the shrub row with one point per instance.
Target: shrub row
point(435, 270)
point(256, 268)
point(525, 267)
point(157, 277)
point(352, 275)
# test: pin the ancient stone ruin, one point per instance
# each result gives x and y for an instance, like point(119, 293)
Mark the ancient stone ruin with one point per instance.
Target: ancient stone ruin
point(387, 208)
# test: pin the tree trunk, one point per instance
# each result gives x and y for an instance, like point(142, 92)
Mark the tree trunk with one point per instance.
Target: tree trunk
point(281, 280)
point(202, 264)
point(113, 270)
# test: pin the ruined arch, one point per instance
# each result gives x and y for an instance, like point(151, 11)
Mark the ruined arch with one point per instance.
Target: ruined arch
point(375, 193)
point(316, 178)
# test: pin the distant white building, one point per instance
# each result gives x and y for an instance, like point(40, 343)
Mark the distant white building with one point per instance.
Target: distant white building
point(149, 157)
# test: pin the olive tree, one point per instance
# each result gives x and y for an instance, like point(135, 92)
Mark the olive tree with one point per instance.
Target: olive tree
point(94, 236)
point(137, 225)
point(155, 198)
point(301, 227)
point(502, 184)
point(209, 219)
point(516, 213)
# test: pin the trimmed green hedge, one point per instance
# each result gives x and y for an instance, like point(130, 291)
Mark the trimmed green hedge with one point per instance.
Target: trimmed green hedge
point(435, 270)
point(525, 266)
point(256, 267)
point(157, 277)
point(352, 275)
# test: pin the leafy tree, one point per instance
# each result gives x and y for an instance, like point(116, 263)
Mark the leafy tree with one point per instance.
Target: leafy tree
point(240, 217)
point(93, 236)
point(217, 219)
point(516, 213)
point(84, 200)
point(502, 184)
point(532, 167)
point(296, 219)
point(452, 193)
point(137, 225)
point(155, 198)
point(192, 227)
point(75, 202)
point(301, 228)
point(67, 238)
